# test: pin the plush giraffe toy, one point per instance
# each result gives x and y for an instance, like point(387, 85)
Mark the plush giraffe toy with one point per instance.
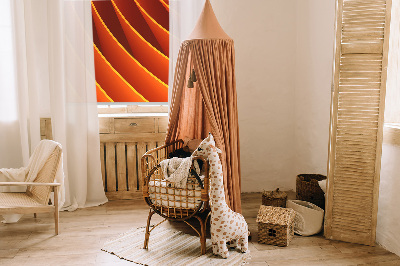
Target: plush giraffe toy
point(226, 225)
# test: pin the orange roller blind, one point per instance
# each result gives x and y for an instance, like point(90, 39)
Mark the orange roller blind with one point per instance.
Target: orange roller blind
point(110, 80)
point(134, 17)
point(143, 51)
point(102, 95)
point(145, 82)
point(164, 3)
point(111, 20)
point(131, 42)
point(161, 33)
point(156, 10)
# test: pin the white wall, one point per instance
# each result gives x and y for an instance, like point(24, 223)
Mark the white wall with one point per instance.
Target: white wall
point(314, 61)
point(264, 32)
point(182, 20)
point(284, 52)
point(388, 227)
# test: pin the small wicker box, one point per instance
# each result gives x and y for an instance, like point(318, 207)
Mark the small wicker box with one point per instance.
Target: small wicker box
point(308, 189)
point(274, 198)
point(275, 225)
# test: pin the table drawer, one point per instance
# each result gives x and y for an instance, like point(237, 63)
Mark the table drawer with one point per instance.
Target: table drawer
point(162, 124)
point(134, 125)
point(106, 125)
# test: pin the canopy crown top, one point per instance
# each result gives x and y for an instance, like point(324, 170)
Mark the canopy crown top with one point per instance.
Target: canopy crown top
point(207, 26)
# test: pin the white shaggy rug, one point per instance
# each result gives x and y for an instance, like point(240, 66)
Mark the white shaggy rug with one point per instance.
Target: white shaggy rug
point(168, 247)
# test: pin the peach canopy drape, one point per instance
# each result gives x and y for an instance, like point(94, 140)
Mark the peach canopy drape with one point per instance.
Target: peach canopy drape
point(211, 106)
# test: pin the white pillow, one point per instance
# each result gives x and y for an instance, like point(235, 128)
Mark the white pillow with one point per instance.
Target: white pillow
point(309, 217)
point(322, 184)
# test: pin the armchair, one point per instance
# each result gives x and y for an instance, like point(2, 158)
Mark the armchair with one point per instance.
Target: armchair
point(36, 197)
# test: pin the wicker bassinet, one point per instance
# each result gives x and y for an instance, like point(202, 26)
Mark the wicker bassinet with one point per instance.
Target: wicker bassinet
point(175, 203)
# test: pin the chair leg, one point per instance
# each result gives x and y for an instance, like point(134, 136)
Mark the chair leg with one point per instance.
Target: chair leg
point(34, 215)
point(203, 236)
point(56, 218)
point(203, 232)
point(56, 211)
point(147, 235)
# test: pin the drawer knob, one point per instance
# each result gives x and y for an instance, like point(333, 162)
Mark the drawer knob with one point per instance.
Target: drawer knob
point(133, 124)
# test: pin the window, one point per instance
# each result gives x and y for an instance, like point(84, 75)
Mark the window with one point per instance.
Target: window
point(392, 108)
point(131, 44)
point(8, 108)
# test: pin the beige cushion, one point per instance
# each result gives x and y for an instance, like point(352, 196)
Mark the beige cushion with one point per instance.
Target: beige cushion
point(16, 199)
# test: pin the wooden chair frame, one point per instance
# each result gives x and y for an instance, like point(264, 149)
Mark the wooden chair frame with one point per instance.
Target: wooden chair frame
point(38, 192)
point(34, 209)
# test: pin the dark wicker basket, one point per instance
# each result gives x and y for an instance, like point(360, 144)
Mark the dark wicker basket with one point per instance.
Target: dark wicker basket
point(308, 189)
point(274, 198)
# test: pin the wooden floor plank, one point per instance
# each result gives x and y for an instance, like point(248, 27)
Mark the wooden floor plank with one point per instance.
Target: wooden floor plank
point(82, 233)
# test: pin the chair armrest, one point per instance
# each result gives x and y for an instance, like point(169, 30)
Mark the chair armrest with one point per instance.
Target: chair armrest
point(29, 184)
point(163, 146)
point(149, 153)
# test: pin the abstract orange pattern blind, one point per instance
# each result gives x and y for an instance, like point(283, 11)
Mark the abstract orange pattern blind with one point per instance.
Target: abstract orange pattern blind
point(131, 43)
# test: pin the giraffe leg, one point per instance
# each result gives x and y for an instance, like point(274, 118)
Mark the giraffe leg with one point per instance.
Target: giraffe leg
point(232, 244)
point(243, 243)
point(215, 248)
point(222, 249)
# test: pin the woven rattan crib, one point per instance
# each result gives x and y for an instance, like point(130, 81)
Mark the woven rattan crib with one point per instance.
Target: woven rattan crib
point(170, 202)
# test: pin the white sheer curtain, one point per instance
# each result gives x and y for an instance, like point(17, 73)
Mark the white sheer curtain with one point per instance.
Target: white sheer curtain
point(55, 78)
point(10, 155)
point(183, 15)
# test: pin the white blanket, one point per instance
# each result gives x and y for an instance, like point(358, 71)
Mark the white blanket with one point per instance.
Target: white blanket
point(29, 173)
point(176, 170)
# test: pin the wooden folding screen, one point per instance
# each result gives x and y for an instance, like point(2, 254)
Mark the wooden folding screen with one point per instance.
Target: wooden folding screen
point(358, 96)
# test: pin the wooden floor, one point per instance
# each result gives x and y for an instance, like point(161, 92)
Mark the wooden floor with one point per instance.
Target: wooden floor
point(83, 232)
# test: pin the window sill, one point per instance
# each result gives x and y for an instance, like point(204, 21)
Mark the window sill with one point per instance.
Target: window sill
point(132, 110)
point(126, 115)
point(391, 133)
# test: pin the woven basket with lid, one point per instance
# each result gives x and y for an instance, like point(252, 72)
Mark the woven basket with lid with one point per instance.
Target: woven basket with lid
point(274, 198)
point(275, 225)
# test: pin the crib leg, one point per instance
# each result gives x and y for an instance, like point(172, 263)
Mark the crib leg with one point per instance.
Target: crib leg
point(203, 236)
point(147, 235)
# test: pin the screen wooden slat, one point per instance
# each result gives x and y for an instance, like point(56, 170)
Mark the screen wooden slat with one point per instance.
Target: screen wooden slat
point(358, 94)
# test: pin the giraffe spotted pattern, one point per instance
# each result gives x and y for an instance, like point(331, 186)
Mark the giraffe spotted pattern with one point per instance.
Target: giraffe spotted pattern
point(226, 225)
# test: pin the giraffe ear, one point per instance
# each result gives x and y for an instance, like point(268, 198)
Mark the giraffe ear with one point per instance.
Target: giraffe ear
point(216, 149)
